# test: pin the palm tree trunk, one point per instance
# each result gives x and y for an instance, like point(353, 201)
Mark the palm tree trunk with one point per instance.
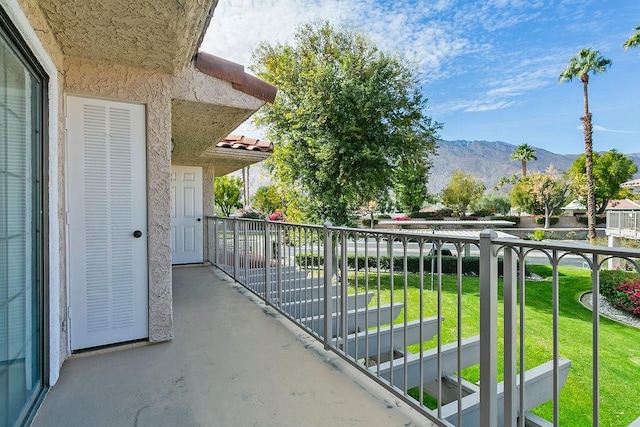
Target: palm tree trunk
point(524, 168)
point(588, 154)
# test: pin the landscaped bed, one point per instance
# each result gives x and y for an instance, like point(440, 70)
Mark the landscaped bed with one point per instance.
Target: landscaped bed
point(619, 349)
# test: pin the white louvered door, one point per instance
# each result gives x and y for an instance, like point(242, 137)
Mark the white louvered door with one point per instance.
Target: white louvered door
point(186, 215)
point(107, 217)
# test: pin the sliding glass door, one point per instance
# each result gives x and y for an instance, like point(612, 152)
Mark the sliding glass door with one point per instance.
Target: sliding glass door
point(21, 229)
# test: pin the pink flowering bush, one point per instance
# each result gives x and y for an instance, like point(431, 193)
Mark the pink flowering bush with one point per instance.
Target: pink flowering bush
point(402, 218)
point(622, 289)
point(628, 296)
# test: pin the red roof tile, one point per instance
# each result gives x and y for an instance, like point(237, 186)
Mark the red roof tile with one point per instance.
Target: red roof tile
point(243, 143)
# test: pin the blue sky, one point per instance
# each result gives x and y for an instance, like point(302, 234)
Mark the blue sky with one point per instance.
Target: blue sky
point(489, 68)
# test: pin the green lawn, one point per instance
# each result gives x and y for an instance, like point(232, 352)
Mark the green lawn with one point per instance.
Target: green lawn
point(619, 344)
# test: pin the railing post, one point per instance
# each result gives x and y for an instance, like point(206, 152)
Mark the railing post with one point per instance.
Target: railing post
point(267, 262)
point(215, 241)
point(236, 248)
point(510, 312)
point(488, 330)
point(328, 277)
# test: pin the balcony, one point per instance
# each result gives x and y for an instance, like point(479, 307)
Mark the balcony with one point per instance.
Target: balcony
point(334, 326)
point(624, 223)
point(233, 362)
point(448, 335)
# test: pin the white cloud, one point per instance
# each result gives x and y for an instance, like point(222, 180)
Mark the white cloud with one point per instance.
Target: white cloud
point(604, 129)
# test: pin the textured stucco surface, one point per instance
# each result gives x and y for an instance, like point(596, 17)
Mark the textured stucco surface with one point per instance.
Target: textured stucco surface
point(156, 35)
point(208, 208)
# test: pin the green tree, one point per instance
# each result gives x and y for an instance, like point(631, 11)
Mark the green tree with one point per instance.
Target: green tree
point(268, 198)
point(585, 62)
point(345, 116)
point(610, 169)
point(496, 204)
point(227, 190)
point(545, 191)
point(462, 191)
point(410, 184)
point(524, 153)
point(633, 40)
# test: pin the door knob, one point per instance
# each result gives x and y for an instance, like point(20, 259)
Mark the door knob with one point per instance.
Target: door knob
point(137, 234)
point(199, 220)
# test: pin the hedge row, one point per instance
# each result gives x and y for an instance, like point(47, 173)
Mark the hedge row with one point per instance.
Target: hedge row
point(514, 219)
point(621, 289)
point(552, 221)
point(600, 219)
point(470, 264)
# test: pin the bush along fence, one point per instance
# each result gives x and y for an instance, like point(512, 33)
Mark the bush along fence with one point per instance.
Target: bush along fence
point(470, 264)
point(621, 289)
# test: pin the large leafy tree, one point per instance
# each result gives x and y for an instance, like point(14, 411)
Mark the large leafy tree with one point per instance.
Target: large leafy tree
point(610, 169)
point(584, 63)
point(462, 191)
point(227, 191)
point(345, 117)
point(546, 191)
point(633, 40)
point(524, 153)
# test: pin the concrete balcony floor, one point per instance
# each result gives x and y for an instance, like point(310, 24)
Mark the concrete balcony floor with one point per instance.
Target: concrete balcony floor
point(233, 362)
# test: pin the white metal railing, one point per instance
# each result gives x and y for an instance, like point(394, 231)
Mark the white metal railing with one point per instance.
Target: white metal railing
point(378, 299)
point(623, 224)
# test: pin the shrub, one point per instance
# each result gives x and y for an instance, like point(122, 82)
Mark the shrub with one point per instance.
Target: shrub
point(426, 215)
point(367, 222)
point(571, 235)
point(553, 220)
point(482, 212)
point(621, 289)
point(514, 219)
point(600, 219)
point(611, 279)
point(252, 215)
point(470, 265)
point(627, 296)
point(384, 216)
point(446, 212)
point(537, 235)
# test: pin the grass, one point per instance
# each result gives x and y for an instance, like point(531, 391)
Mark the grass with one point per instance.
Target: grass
point(619, 344)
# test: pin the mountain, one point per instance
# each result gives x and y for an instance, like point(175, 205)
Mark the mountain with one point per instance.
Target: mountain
point(487, 160)
point(490, 160)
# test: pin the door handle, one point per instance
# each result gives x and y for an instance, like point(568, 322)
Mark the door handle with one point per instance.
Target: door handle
point(199, 219)
point(137, 234)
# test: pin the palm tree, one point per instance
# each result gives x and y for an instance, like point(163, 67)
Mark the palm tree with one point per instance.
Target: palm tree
point(524, 153)
point(587, 61)
point(634, 40)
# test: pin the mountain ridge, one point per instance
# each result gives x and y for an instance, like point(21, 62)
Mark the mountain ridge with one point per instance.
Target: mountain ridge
point(487, 160)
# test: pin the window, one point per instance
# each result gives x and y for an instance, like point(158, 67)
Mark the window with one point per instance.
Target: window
point(22, 233)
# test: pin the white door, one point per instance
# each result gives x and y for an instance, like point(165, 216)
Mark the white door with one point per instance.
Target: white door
point(186, 215)
point(107, 217)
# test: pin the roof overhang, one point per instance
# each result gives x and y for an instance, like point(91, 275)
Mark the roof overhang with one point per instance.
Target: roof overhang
point(196, 130)
point(156, 35)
